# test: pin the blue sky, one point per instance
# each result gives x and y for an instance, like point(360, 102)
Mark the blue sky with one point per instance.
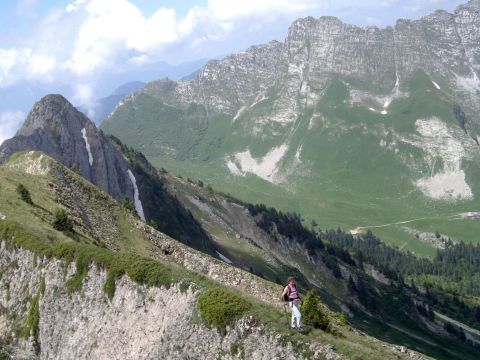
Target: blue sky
point(77, 42)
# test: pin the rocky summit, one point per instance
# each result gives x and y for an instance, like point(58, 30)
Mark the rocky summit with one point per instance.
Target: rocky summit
point(56, 128)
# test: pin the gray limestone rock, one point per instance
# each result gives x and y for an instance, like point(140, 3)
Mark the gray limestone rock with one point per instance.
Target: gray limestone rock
point(59, 130)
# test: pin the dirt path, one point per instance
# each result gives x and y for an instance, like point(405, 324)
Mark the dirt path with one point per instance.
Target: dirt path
point(359, 229)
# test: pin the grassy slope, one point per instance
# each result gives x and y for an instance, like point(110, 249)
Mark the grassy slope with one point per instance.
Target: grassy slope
point(30, 227)
point(354, 181)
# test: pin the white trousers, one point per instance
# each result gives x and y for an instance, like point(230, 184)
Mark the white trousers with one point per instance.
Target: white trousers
point(296, 315)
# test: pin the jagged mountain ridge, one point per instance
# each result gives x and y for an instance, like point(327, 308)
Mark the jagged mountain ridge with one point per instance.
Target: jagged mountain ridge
point(440, 44)
point(59, 130)
point(349, 114)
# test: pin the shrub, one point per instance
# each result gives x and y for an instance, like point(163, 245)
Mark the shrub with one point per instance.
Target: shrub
point(220, 307)
point(313, 312)
point(127, 204)
point(24, 194)
point(62, 222)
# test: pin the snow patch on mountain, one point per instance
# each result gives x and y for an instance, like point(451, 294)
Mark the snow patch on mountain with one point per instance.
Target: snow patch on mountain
point(224, 258)
point(436, 85)
point(87, 146)
point(395, 94)
point(259, 100)
point(136, 196)
point(439, 144)
point(298, 154)
point(239, 112)
point(265, 167)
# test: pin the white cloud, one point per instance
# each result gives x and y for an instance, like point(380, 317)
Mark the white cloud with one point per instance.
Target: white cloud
point(23, 63)
point(10, 121)
point(230, 10)
point(83, 94)
point(117, 29)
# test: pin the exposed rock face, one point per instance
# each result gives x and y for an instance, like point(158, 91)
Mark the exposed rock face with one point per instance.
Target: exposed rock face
point(56, 128)
point(138, 323)
point(444, 45)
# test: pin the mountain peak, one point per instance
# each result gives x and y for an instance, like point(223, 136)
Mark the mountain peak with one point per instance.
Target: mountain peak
point(54, 112)
point(55, 127)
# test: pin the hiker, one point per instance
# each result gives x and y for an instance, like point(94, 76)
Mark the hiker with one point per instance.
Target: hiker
point(290, 294)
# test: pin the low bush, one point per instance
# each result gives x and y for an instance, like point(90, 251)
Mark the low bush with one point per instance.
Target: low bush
point(220, 307)
point(127, 204)
point(24, 194)
point(61, 221)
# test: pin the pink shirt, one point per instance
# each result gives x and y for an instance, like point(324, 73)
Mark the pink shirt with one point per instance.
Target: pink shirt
point(292, 293)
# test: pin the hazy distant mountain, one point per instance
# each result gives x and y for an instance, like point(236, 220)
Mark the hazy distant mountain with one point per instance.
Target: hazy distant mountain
point(109, 88)
point(103, 107)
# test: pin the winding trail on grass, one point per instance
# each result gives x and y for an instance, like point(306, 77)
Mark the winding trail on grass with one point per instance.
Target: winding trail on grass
point(359, 229)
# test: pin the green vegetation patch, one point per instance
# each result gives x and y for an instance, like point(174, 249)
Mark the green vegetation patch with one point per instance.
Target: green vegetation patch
point(33, 319)
point(313, 311)
point(24, 194)
point(220, 307)
point(140, 269)
point(62, 221)
point(31, 326)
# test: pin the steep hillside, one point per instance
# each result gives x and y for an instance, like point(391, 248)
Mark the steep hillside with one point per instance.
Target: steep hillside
point(72, 294)
point(59, 130)
point(353, 127)
point(273, 245)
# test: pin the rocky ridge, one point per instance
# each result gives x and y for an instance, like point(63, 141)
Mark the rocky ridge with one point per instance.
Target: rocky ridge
point(56, 128)
point(443, 45)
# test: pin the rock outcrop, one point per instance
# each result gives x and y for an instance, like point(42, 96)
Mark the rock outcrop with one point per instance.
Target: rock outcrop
point(442, 44)
point(138, 323)
point(59, 130)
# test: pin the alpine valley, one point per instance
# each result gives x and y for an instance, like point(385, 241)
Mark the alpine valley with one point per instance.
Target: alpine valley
point(358, 128)
point(345, 156)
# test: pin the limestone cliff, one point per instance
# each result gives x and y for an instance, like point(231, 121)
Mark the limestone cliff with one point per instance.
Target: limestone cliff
point(139, 322)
